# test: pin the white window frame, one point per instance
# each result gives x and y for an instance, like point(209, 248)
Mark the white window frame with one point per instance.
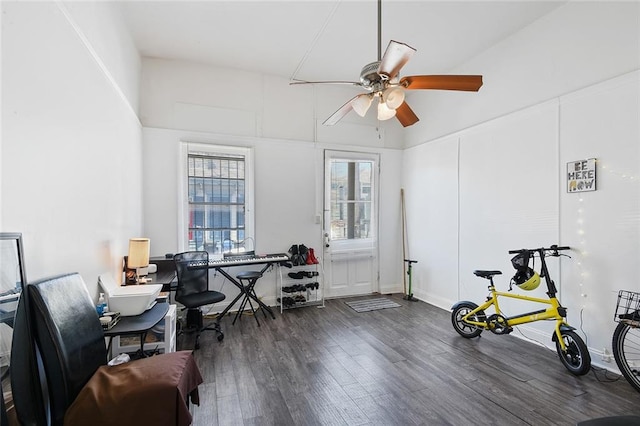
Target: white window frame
point(183, 191)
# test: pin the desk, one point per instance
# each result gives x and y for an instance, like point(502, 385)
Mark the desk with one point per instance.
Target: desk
point(138, 325)
point(165, 274)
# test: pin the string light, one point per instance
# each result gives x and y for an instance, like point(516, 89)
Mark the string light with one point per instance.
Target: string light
point(581, 233)
point(583, 273)
point(621, 174)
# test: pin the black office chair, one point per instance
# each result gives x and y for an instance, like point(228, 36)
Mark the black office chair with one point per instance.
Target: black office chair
point(193, 291)
point(74, 383)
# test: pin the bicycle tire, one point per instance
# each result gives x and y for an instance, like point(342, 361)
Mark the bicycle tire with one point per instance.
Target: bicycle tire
point(626, 352)
point(577, 359)
point(464, 329)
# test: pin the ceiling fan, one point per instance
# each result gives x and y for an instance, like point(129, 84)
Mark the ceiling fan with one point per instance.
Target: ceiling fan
point(383, 84)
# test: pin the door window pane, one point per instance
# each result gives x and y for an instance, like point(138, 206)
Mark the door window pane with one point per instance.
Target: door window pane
point(351, 199)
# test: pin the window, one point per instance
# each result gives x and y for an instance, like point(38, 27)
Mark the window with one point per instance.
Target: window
point(218, 213)
point(351, 201)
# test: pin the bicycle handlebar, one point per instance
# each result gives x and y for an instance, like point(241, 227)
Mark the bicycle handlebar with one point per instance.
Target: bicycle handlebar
point(553, 248)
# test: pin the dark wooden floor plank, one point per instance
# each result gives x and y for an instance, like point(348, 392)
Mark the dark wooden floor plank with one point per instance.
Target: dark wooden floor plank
point(207, 411)
point(397, 366)
point(229, 411)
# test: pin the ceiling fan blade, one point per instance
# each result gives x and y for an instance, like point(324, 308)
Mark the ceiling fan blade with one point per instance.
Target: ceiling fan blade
point(394, 58)
point(353, 83)
point(341, 112)
point(470, 83)
point(405, 115)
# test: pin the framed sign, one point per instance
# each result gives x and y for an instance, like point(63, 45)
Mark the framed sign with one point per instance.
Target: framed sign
point(581, 175)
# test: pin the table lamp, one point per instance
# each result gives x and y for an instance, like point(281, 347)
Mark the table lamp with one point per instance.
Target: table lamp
point(138, 258)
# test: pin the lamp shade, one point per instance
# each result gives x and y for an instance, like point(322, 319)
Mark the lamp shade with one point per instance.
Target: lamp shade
point(393, 96)
point(384, 112)
point(138, 253)
point(361, 104)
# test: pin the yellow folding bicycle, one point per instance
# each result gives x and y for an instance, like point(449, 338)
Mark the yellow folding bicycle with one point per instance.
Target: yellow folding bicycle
point(469, 319)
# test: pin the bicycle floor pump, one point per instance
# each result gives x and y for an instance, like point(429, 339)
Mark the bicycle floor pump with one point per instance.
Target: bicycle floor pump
point(409, 295)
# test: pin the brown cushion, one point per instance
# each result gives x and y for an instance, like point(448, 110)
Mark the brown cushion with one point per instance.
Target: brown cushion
point(151, 390)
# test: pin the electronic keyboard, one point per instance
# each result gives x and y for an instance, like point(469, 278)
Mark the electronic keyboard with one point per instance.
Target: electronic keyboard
point(241, 259)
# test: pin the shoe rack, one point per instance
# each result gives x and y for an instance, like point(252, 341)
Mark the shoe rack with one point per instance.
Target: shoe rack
point(301, 286)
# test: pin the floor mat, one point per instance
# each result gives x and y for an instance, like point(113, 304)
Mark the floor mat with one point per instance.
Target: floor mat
point(372, 304)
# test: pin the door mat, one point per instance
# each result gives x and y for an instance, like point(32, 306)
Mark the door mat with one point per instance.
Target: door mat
point(372, 305)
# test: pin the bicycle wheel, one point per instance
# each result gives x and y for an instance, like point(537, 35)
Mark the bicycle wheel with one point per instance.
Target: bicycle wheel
point(577, 359)
point(463, 328)
point(626, 351)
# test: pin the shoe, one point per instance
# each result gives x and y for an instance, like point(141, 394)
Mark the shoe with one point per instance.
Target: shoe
point(287, 301)
point(303, 251)
point(295, 255)
point(311, 258)
point(297, 275)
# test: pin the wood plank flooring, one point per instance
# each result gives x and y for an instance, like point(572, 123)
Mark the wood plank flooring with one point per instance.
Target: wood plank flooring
point(399, 366)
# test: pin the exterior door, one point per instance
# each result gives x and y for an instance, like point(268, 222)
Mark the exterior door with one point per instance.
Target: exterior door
point(350, 223)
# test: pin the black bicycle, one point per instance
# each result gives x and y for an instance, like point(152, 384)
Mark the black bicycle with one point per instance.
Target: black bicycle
point(626, 337)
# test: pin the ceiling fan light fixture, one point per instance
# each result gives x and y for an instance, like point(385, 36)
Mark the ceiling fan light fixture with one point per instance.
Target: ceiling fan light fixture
point(361, 104)
point(393, 96)
point(384, 112)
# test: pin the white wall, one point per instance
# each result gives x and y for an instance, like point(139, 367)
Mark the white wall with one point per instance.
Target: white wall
point(501, 184)
point(579, 44)
point(288, 188)
point(71, 176)
point(196, 103)
point(602, 121)
point(195, 97)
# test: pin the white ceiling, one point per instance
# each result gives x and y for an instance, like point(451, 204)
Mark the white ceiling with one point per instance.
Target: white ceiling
point(326, 39)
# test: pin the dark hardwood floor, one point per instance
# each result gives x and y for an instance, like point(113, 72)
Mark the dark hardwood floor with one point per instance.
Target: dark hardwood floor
point(400, 366)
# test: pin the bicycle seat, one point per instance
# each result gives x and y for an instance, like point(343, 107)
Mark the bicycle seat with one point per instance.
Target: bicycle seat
point(486, 274)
